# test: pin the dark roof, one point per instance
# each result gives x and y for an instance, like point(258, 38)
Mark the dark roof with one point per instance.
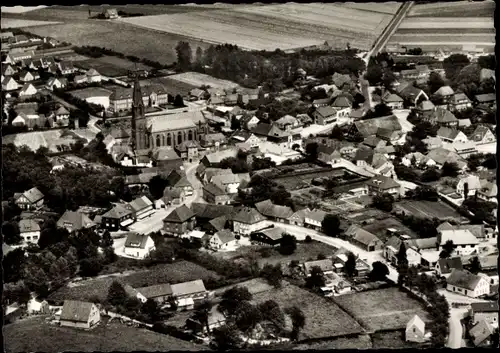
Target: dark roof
point(28, 225)
point(33, 195)
point(186, 288)
point(225, 235)
point(326, 111)
point(443, 116)
point(158, 290)
point(118, 211)
point(180, 214)
point(489, 97)
point(219, 223)
point(77, 311)
point(261, 129)
point(171, 193)
point(370, 126)
point(463, 279)
point(267, 208)
point(214, 189)
point(248, 215)
point(486, 307)
point(136, 240)
point(342, 102)
point(140, 203)
point(274, 233)
point(78, 220)
point(447, 265)
point(211, 211)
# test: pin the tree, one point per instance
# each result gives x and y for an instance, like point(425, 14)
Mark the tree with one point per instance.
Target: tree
point(379, 271)
point(232, 298)
point(248, 317)
point(235, 123)
point(331, 225)
point(449, 169)
point(226, 338)
point(11, 234)
point(288, 244)
point(116, 294)
point(378, 111)
point(298, 320)
point(202, 313)
point(151, 310)
point(454, 64)
point(402, 263)
point(308, 239)
point(157, 185)
point(383, 202)
point(178, 101)
point(280, 197)
point(435, 82)
point(350, 265)
point(13, 264)
point(272, 274)
point(184, 55)
point(271, 311)
point(37, 281)
point(109, 254)
point(337, 133)
point(431, 174)
point(448, 248)
point(312, 150)
point(475, 265)
point(91, 266)
point(16, 293)
point(316, 280)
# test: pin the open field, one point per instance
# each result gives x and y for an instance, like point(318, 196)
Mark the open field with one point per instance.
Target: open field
point(287, 26)
point(111, 66)
point(254, 286)
point(454, 9)
point(18, 23)
point(304, 252)
point(427, 209)
point(36, 335)
point(383, 7)
point(197, 79)
point(34, 140)
point(382, 309)
point(324, 318)
point(177, 272)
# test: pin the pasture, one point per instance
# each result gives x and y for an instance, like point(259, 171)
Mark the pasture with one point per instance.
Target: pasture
point(427, 209)
point(287, 26)
point(34, 334)
point(19, 23)
point(110, 66)
point(324, 318)
point(36, 139)
point(382, 309)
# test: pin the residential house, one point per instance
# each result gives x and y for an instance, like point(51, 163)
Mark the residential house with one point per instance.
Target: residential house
point(9, 84)
point(29, 230)
point(489, 99)
point(8, 70)
point(472, 182)
point(321, 102)
point(13, 58)
point(74, 221)
point(444, 94)
point(365, 240)
point(329, 154)
point(215, 195)
point(197, 94)
point(369, 127)
point(120, 99)
point(459, 101)
point(325, 265)
point(441, 155)
point(466, 283)
point(465, 242)
point(111, 14)
point(93, 76)
point(188, 151)
point(242, 136)
point(173, 196)
point(138, 245)
point(249, 121)
point(215, 319)
point(35, 307)
point(248, 220)
point(288, 123)
point(166, 157)
point(27, 76)
point(415, 330)
point(211, 172)
point(270, 236)
point(481, 334)
point(229, 183)
point(451, 135)
point(482, 135)
point(383, 185)
point(55, 82)
point(298, 218)
point(487, 311)
point(231, 99)
point(62, 115)
point(314, 218)
point(118, 217)
point(374, 142)
point(142, 207)
point(179, 221)
point(392, 248)
point(446, 265)
point(343, 105)
point(28, 90)
point(213, 142)
point(410, 94)
point(324, 115)
point(160, 293)
point(425, 109)
point(274, 212)
point(392, 100)
point(488, 192)
point(418, 160)
point(179, 179)
point(28, 200)
point(442, 117)
point(464, 149)
point(66, 67)
point(187, 294)
point(79, 314)
point(223, 240)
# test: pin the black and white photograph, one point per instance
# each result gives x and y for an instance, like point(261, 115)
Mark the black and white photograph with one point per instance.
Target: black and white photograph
point(223, 176)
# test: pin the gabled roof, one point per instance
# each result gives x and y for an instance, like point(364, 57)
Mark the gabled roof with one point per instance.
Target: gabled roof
point(140, 203)
point(391, 98)
point(187, 288)
point(171, 193)
point(261, 129)
point(216, 157)
point(225, 236)
point(488, 262)
point(219, 223)
point(442, 115)
point(417, 322)
point(62, 111)
point(489, 97)
point(165, 154)
point(76, 311)
point(444, 91)
point(321, 101)
point(382, 182)
point(136, 240)
point(409, 92)
point(118, 211)
point(463, 279)
point(248, 215)
point(317, 215)
point(458, 236)
point(273, 233)
point(28, 225)
point(33, 195)
point(447, 132)
point(422, 244)
point(92, 72)
point(486, 307)
point(211, 172)
point(158, 290)
point(364, 153)
point(326, 112)
point(179, 215)
point(457, 98)
point(373, 141)
point(446, 265)
point(224, 179)
point(364, 237)
point(77, 220)
point(267, 208)
point(214, 189)
point(479, 133)
point(211, 211)
point(481, 331)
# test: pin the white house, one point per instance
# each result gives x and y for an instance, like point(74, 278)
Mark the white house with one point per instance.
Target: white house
point(473, 184)
point(29, 231)
point(465, 242)
point(419, 159)
point(55, 82)
point(468, 284)
point(93, 76)
point(35, 307)
point(223, 240)
point(9, 84)
point(79, 314)
point(451, 135)
point(314, 218)
point(415, 330)
point(27, 90)
point(26, 76)
point(228, 182)
point(138, 245)
point(248, 220)
point(482, 135)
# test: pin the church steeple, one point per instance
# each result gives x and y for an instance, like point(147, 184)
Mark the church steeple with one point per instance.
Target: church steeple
point(138, 118)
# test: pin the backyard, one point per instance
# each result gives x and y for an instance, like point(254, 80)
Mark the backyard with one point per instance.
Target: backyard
point(382, 309)
point(427, 209)
point(36, 139)
point(36, 335)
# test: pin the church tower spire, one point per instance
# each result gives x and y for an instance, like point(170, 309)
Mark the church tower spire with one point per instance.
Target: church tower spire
point(138, 140)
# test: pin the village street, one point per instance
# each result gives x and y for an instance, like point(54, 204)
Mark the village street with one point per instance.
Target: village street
point(197, 196)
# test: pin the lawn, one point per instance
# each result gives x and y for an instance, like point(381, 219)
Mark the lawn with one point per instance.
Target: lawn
point(254, 286)
point(304, 252)
point(360, 342)
point(36, 335)
point(392, 340)
point(427, 209)
point(174, 86)
point(382, 309)
point(324, 318)
point(111, 66)
point(177, 272)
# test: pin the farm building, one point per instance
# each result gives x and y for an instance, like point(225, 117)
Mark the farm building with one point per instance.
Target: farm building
point(74, 221)
point(118, 217)
point(187, 294)
point(446, 265)
point(314, 218)
point(179, 221)
point(466, 283)
point(482, 333)
point(383, 185)
point(325, 265)
point(31, 199)
point(142, 207)
point(138, 245)
point(270, 236)
point(160, 293)
point(248, 220)
point(415, 330)
point(223, 240)
point(29, 230)
point(365, 240)
point(465, 242)
point(79, 314)
point(274, 212)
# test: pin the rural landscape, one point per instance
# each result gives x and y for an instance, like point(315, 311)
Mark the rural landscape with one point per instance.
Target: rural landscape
point(238, 177)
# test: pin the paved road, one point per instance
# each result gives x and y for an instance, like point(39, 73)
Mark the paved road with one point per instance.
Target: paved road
point(190, 169)
point(300, 233)
point(152, 223)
